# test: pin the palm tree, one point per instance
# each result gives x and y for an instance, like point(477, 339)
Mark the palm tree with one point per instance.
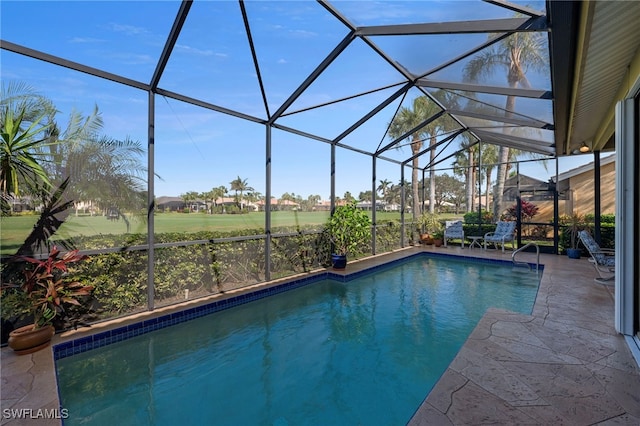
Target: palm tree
point(102, 171)
point(489, 155)
point(312, 201)
point(405, 120)
point(254, 196)
point(384, 185)
point(206, 196)
point(25, 120)
point(218, 193)
point(514, 54)
point(365, 196)
point(107, 172)
point(393, 194)
point(348, 197)
point(422, 110)
point(465, 165)
point(240, 186)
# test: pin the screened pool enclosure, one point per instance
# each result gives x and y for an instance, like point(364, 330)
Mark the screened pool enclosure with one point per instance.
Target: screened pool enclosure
point(235, 128)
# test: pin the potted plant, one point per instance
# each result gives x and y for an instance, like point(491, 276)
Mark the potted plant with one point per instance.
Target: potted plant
point(348, 228)
point(44, 293)
point(429, 225)
point(438, 238)
point(574, 224)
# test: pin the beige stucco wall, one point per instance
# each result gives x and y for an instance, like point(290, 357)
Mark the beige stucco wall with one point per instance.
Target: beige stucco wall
point(582, 192)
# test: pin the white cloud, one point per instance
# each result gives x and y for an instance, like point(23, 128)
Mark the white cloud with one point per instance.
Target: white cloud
point(200, 52)
point(303, 33)
point(127, 29)
point(86, 40)
point(134, 59)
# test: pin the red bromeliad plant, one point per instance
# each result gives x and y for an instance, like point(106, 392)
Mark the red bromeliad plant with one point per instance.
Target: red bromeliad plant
point(527, 210)
point(46, 287)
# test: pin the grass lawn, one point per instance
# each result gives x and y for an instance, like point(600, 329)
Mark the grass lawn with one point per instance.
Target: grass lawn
point(14, 229)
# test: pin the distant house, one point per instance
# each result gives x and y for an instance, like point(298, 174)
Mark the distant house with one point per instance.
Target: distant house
point(527, 185)
point(224, 201)
point(20, 204)
point(170, 204)
point(392, 207)
point(287, 205)
point(325, 205)
point(530, 189)
point(276, 205)
point(232, 201)
point(578, 184)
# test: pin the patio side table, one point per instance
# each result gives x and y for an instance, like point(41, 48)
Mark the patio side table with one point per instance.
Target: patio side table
point(476, 241)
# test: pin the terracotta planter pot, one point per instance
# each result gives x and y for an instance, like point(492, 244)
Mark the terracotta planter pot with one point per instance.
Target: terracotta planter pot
point(426, 239)
point(26, 340)
point(437, 242)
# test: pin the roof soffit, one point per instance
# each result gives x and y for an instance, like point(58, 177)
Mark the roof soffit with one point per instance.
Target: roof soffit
point(609, 42)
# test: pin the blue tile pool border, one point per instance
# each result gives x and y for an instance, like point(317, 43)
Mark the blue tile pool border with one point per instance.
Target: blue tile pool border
point(83, 344)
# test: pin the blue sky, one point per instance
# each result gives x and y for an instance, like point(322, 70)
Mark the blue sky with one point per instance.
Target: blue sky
point(197, 149)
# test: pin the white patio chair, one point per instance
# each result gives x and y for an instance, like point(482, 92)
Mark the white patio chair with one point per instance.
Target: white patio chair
point(604, 260)
point(453, 229)
point(505, 231)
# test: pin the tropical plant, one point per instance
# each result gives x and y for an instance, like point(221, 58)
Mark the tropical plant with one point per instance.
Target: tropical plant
point(348, 228)
point(46, 290)
point(18, 158)
point(573, 224)
point(430, 223)
point(516, 54)
point(25, 121)
point(100, 169)
point(527, 211)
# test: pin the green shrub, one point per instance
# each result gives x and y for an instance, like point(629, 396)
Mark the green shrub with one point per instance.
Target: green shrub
point(388, 236)
point(478, 230)
point(605, 218)
point(472, 217)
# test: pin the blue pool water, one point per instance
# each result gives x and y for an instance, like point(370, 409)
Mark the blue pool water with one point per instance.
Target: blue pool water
point(366, 351)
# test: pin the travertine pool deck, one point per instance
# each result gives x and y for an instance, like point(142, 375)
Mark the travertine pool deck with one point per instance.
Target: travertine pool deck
point(562, 365)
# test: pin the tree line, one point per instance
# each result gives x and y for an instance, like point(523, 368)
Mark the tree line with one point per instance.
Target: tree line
point(449, 190)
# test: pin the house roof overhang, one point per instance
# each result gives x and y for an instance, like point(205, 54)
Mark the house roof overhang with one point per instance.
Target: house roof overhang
point(595, 59)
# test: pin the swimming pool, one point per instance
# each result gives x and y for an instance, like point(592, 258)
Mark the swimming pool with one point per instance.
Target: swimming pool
point(366, 351)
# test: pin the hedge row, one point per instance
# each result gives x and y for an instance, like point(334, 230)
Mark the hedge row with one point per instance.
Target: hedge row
point(192, 270)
